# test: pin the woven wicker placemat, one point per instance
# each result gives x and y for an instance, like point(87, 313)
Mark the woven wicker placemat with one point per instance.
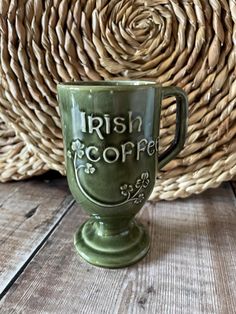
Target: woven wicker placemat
point(191, 44)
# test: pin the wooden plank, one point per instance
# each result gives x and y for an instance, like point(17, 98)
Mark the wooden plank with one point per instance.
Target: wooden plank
point(28, 211)
point(189, 269)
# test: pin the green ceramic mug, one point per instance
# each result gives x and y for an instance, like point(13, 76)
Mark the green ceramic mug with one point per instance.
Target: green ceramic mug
point(111, 140)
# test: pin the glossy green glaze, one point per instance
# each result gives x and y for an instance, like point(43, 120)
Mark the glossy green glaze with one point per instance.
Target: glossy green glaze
point(111, 139)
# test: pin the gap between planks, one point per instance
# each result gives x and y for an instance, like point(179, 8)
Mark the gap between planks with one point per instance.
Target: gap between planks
point(189, 269)
point(30, 212)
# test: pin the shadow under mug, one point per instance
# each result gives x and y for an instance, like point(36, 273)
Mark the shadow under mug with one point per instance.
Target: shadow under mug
point(111, 141)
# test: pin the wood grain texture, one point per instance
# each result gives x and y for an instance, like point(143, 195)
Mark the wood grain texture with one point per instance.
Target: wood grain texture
point(191, 267)
point(28, 211)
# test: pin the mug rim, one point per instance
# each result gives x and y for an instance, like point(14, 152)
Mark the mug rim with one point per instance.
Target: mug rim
point(108, 84)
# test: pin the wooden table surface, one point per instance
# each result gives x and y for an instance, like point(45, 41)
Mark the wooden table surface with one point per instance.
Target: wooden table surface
point(191, 267)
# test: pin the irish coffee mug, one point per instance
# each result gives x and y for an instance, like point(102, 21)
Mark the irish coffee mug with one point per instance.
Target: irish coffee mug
point(111, 140)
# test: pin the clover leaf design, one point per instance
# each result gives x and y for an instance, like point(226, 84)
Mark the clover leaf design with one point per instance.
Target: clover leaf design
point(78, 147)
point(89, 169)
point(126, 189)
point(69, 155)
point(78, 151)
point(143, 181)
point(139, 198)
point(134, 193)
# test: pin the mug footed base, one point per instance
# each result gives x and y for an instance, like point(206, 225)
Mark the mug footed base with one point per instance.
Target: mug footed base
point(111, 249)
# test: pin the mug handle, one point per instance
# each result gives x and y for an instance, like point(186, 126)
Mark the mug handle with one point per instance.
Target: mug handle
point(181, 124)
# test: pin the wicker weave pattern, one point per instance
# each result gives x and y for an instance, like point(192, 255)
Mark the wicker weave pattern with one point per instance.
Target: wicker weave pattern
point(189, 43)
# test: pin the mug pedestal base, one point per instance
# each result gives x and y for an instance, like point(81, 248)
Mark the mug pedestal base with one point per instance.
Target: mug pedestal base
point(111, 250)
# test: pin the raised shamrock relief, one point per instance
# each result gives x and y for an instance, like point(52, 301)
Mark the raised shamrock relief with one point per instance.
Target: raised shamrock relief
point(102, 126)
point(85, 157)
point(135, 192)
point(77, 149)
point(132, 192)
point(111, 134)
